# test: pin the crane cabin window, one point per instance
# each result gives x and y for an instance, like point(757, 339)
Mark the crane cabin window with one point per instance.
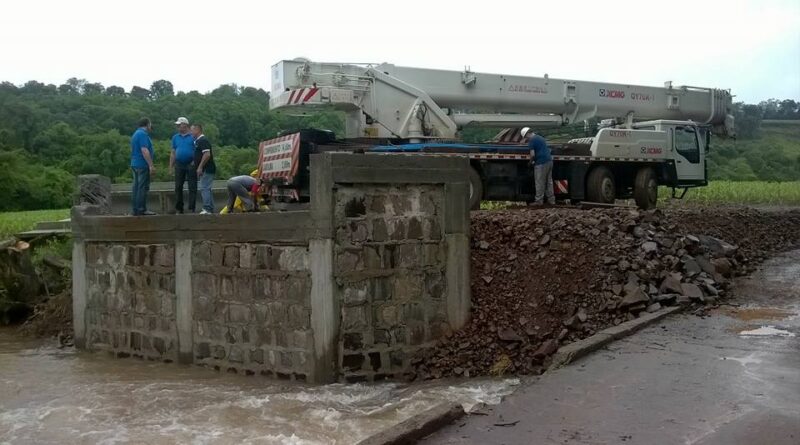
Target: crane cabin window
point(685, 141)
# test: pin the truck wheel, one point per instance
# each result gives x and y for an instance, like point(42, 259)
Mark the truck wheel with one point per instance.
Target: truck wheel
point(475, 190)
point(600, 186)
point(645, 189)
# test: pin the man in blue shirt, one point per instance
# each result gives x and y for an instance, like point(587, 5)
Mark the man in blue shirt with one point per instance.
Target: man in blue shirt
point(181, 161)
point(542, 162)
point(142, 166)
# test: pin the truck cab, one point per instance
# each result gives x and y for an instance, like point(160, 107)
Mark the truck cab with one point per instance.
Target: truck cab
point(680, 146)
point(688, 145)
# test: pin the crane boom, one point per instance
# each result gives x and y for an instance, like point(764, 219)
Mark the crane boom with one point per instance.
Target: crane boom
point(388, 101)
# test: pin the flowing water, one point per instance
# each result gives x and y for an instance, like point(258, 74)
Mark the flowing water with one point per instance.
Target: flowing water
point(61, 396)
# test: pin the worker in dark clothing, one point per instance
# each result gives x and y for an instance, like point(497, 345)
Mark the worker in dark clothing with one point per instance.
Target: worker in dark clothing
point(206, 168)
point(542, 162)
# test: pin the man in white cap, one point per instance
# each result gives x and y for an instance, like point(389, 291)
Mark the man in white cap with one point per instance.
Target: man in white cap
point(181, 161)
point(542, 162)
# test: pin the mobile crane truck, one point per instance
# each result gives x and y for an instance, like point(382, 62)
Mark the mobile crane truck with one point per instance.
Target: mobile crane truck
point(647, 137)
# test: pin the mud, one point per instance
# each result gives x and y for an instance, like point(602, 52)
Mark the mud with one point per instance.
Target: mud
point(755, 313)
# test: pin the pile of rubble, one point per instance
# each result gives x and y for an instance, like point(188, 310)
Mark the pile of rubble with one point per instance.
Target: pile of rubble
point(544, 278)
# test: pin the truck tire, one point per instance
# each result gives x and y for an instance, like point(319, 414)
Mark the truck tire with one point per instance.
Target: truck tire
point(475, 189)
point(600, 185)
point(645, 189)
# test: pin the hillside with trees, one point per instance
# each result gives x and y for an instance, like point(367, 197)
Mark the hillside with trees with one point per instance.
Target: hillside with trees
point(49, 134)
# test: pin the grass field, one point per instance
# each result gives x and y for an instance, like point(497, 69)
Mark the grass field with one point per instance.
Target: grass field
point(15, 222)
point(717, 192)
point(750, 192)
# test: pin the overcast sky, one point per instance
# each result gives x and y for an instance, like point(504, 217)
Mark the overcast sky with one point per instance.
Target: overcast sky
point(751, 47)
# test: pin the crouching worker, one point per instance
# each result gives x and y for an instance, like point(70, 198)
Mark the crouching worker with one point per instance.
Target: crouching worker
point(243, 193)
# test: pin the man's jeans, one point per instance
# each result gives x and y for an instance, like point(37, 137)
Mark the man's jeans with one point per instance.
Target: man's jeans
point(185, 173)
point(206, 181)
point(543, 181)
point(141, 186)
point(236, 189)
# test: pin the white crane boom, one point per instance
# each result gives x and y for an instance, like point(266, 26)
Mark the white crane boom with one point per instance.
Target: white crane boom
point(388, 101)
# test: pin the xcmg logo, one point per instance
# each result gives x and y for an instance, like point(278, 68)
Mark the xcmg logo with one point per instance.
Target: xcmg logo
point(612, 94)
point(651, 150)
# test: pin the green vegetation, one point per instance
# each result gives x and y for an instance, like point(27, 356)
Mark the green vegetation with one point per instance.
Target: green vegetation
point(497, 205)
point(742, 192)
point(773, 156)
point(58, 246)
point(49, 134)
point(15, 222)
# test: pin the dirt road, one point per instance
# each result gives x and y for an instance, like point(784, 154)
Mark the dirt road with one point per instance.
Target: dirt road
point(732, 377)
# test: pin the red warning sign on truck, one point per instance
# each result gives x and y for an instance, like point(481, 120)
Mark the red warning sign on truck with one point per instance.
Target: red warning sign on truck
point(278, 158)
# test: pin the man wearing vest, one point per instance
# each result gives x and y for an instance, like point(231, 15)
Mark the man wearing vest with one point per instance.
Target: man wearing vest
point(181, 161)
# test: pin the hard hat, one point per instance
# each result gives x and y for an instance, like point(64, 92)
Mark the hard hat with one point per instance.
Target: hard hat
point(254, 173)
point(524, 131)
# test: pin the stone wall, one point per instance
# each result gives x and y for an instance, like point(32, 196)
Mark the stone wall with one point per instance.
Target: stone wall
point(252, 308)
point(377, 268)
point(130, 300)
point(390, 258)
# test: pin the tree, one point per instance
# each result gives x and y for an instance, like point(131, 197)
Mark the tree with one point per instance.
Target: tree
point(789, 109)
point(212, 132)
point(35, 87)
point(115, 91)
point(747, 119)
point(24, 120)
point(28, 185)
point(234, 129)
point(73, 86)
point(91, 89)
point(8, 86)
point(56, 143)
point(6, 138)
point(140, 93)
point(227, 90)
point(255, 93)
point(66, 89)
point(232, 161)
point(101, 154)
point(161, 88)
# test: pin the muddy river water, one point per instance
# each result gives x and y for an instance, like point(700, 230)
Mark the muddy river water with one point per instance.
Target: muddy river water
point(61, 396)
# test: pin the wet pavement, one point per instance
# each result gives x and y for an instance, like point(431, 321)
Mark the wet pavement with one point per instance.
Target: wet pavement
point(730, 378)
